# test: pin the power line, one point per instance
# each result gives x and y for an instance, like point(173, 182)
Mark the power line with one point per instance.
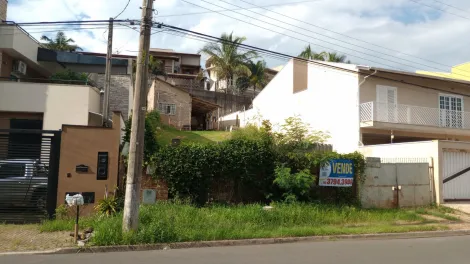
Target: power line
point(123, 9)
point(352, 44)
point(363, 41)
point(380, 63)
point(210, 12)
point(440, 9)
point(68, 22)
point(331, 66)
point(458, 8)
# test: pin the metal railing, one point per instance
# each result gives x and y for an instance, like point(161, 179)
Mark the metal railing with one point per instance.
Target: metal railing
point(414, 115)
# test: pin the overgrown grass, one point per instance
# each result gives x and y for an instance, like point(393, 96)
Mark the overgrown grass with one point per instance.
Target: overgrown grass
point(167, 222)
point(167, 133)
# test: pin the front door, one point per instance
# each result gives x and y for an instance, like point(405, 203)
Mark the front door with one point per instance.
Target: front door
point(451, 111)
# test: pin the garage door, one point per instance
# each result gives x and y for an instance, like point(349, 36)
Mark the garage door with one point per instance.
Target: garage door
point(456, 169)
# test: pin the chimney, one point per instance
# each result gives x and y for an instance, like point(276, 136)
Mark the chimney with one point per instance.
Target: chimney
point(3, 9)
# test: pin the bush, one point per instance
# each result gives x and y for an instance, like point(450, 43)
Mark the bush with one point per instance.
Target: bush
point(152, 121)
point(190, 170)
point(296, 186)
point(107, 207)
point(69, 76)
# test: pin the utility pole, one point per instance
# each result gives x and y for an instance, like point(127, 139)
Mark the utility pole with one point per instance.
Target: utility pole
point(107, 75)
point(130, 220)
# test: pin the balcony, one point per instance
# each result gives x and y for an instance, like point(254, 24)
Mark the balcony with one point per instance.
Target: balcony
point(374, 114)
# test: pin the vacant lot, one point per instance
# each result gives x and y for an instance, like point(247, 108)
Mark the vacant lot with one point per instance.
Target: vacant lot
point(166, 134)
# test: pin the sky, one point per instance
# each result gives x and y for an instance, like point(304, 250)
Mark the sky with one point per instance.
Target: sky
point(396, 34)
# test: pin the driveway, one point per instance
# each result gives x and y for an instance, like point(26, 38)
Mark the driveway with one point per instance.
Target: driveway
point(462, 206)
point(403, 251)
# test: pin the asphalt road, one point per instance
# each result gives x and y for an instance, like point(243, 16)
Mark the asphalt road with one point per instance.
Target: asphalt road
point(447, 250)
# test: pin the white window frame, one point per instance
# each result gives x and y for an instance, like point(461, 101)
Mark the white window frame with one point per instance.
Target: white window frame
point(162, 108)
point(440, 113)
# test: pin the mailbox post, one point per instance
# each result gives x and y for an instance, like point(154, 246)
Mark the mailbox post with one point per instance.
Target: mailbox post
point(75, 200)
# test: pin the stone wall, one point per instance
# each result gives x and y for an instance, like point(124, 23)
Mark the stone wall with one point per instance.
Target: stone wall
point(118, 94)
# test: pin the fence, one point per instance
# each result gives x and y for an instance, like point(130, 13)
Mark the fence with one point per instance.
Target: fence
point(414, 115)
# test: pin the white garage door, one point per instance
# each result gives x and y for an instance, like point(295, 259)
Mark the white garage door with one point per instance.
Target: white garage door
point(456, 178)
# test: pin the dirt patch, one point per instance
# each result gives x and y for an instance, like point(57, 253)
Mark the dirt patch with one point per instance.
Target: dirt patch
point(29, 238)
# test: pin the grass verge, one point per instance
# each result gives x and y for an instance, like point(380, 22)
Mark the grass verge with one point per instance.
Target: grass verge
point(167, 222)
point(166, 134)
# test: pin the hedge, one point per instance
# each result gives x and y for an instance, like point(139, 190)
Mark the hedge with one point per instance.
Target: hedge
point(191, 170)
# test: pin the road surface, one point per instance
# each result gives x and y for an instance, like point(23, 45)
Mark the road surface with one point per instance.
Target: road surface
point(447, 250)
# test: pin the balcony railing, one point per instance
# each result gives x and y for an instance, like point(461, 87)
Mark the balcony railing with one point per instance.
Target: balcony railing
point(414, 115)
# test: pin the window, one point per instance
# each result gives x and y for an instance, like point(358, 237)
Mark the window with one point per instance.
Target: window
point(451, 111)
point(386, 105)
point(167, 109)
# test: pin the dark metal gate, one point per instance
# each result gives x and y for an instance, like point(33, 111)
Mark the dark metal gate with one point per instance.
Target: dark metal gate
point(29, 167)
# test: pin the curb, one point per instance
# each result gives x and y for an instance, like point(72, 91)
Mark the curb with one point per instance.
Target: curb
point(244, 242)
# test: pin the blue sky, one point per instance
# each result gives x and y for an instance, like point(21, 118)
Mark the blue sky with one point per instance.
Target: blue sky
point(381, 33)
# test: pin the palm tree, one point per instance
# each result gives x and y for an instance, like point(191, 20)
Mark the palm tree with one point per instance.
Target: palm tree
point(60, 42)
point(309, 54)
point(335, 57)
point(257, 79)
point(226, 59)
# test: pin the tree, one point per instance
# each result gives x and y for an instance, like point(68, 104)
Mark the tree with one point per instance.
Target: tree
point(226, 59)
point(335, 57)
point(60, 43)
point(309, 54)
point(257, 79)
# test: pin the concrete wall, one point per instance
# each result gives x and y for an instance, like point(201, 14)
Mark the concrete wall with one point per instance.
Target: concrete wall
point(328, 104)
point(60, 103)
point(80, 145)
point(16, 41)
point(411, 94)
point(6, 65)
point(163, 92)
point(193, 60)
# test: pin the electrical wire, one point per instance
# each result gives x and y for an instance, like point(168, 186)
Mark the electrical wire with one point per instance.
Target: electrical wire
point(388, 55)
point(209, 12)
point(123, 9)
point(458, 8)
point(341, 34)
point(308, 42)
point(324, 65)
point(437, 8)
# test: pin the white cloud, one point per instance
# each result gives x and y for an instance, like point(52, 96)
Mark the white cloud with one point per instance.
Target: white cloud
point(399, 25)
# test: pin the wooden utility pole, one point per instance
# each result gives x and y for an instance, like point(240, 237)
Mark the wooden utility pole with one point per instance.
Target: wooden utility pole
point(107, 75)
point(136, 148)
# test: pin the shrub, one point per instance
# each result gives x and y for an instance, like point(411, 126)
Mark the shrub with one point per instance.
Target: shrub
point(107, 207)
point(296, 186)
point(295, 132)
point(152, 121)
point(69, 76)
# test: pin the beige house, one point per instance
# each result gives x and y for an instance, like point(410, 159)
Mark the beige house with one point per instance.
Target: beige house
point(180, 109)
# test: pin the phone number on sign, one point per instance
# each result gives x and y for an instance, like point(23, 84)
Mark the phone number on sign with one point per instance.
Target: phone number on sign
point(338, 181)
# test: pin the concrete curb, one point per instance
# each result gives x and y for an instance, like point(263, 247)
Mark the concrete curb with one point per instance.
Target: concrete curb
point(245, 242)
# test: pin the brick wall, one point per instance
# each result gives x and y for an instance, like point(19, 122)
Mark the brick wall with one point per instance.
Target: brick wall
point(163, 92)
point(159, 185)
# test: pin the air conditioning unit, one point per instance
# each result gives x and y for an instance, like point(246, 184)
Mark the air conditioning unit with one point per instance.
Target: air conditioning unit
point(19, 67)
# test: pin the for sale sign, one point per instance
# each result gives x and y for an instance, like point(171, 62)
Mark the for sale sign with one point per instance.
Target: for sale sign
point(337, 173)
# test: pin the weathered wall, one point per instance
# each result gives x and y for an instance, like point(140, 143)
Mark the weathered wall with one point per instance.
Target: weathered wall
point(163, 92)
point(119, 93)
point(3, 16)
point(80, 145)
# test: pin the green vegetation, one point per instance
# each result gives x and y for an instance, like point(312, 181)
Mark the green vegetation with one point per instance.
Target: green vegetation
point(69, 77)
point(309, 54)
point(177, 222)
point(60, 43)
point(440, 212)
point(165, 134)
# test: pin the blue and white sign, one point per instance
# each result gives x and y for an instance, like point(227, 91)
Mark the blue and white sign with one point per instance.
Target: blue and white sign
point(337, 173)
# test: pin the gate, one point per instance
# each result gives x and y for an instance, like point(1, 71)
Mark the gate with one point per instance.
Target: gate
point(394, 183)
point(456, 178)
point(29, 163)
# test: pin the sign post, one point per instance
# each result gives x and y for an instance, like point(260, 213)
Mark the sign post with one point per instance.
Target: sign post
point(337, 173)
